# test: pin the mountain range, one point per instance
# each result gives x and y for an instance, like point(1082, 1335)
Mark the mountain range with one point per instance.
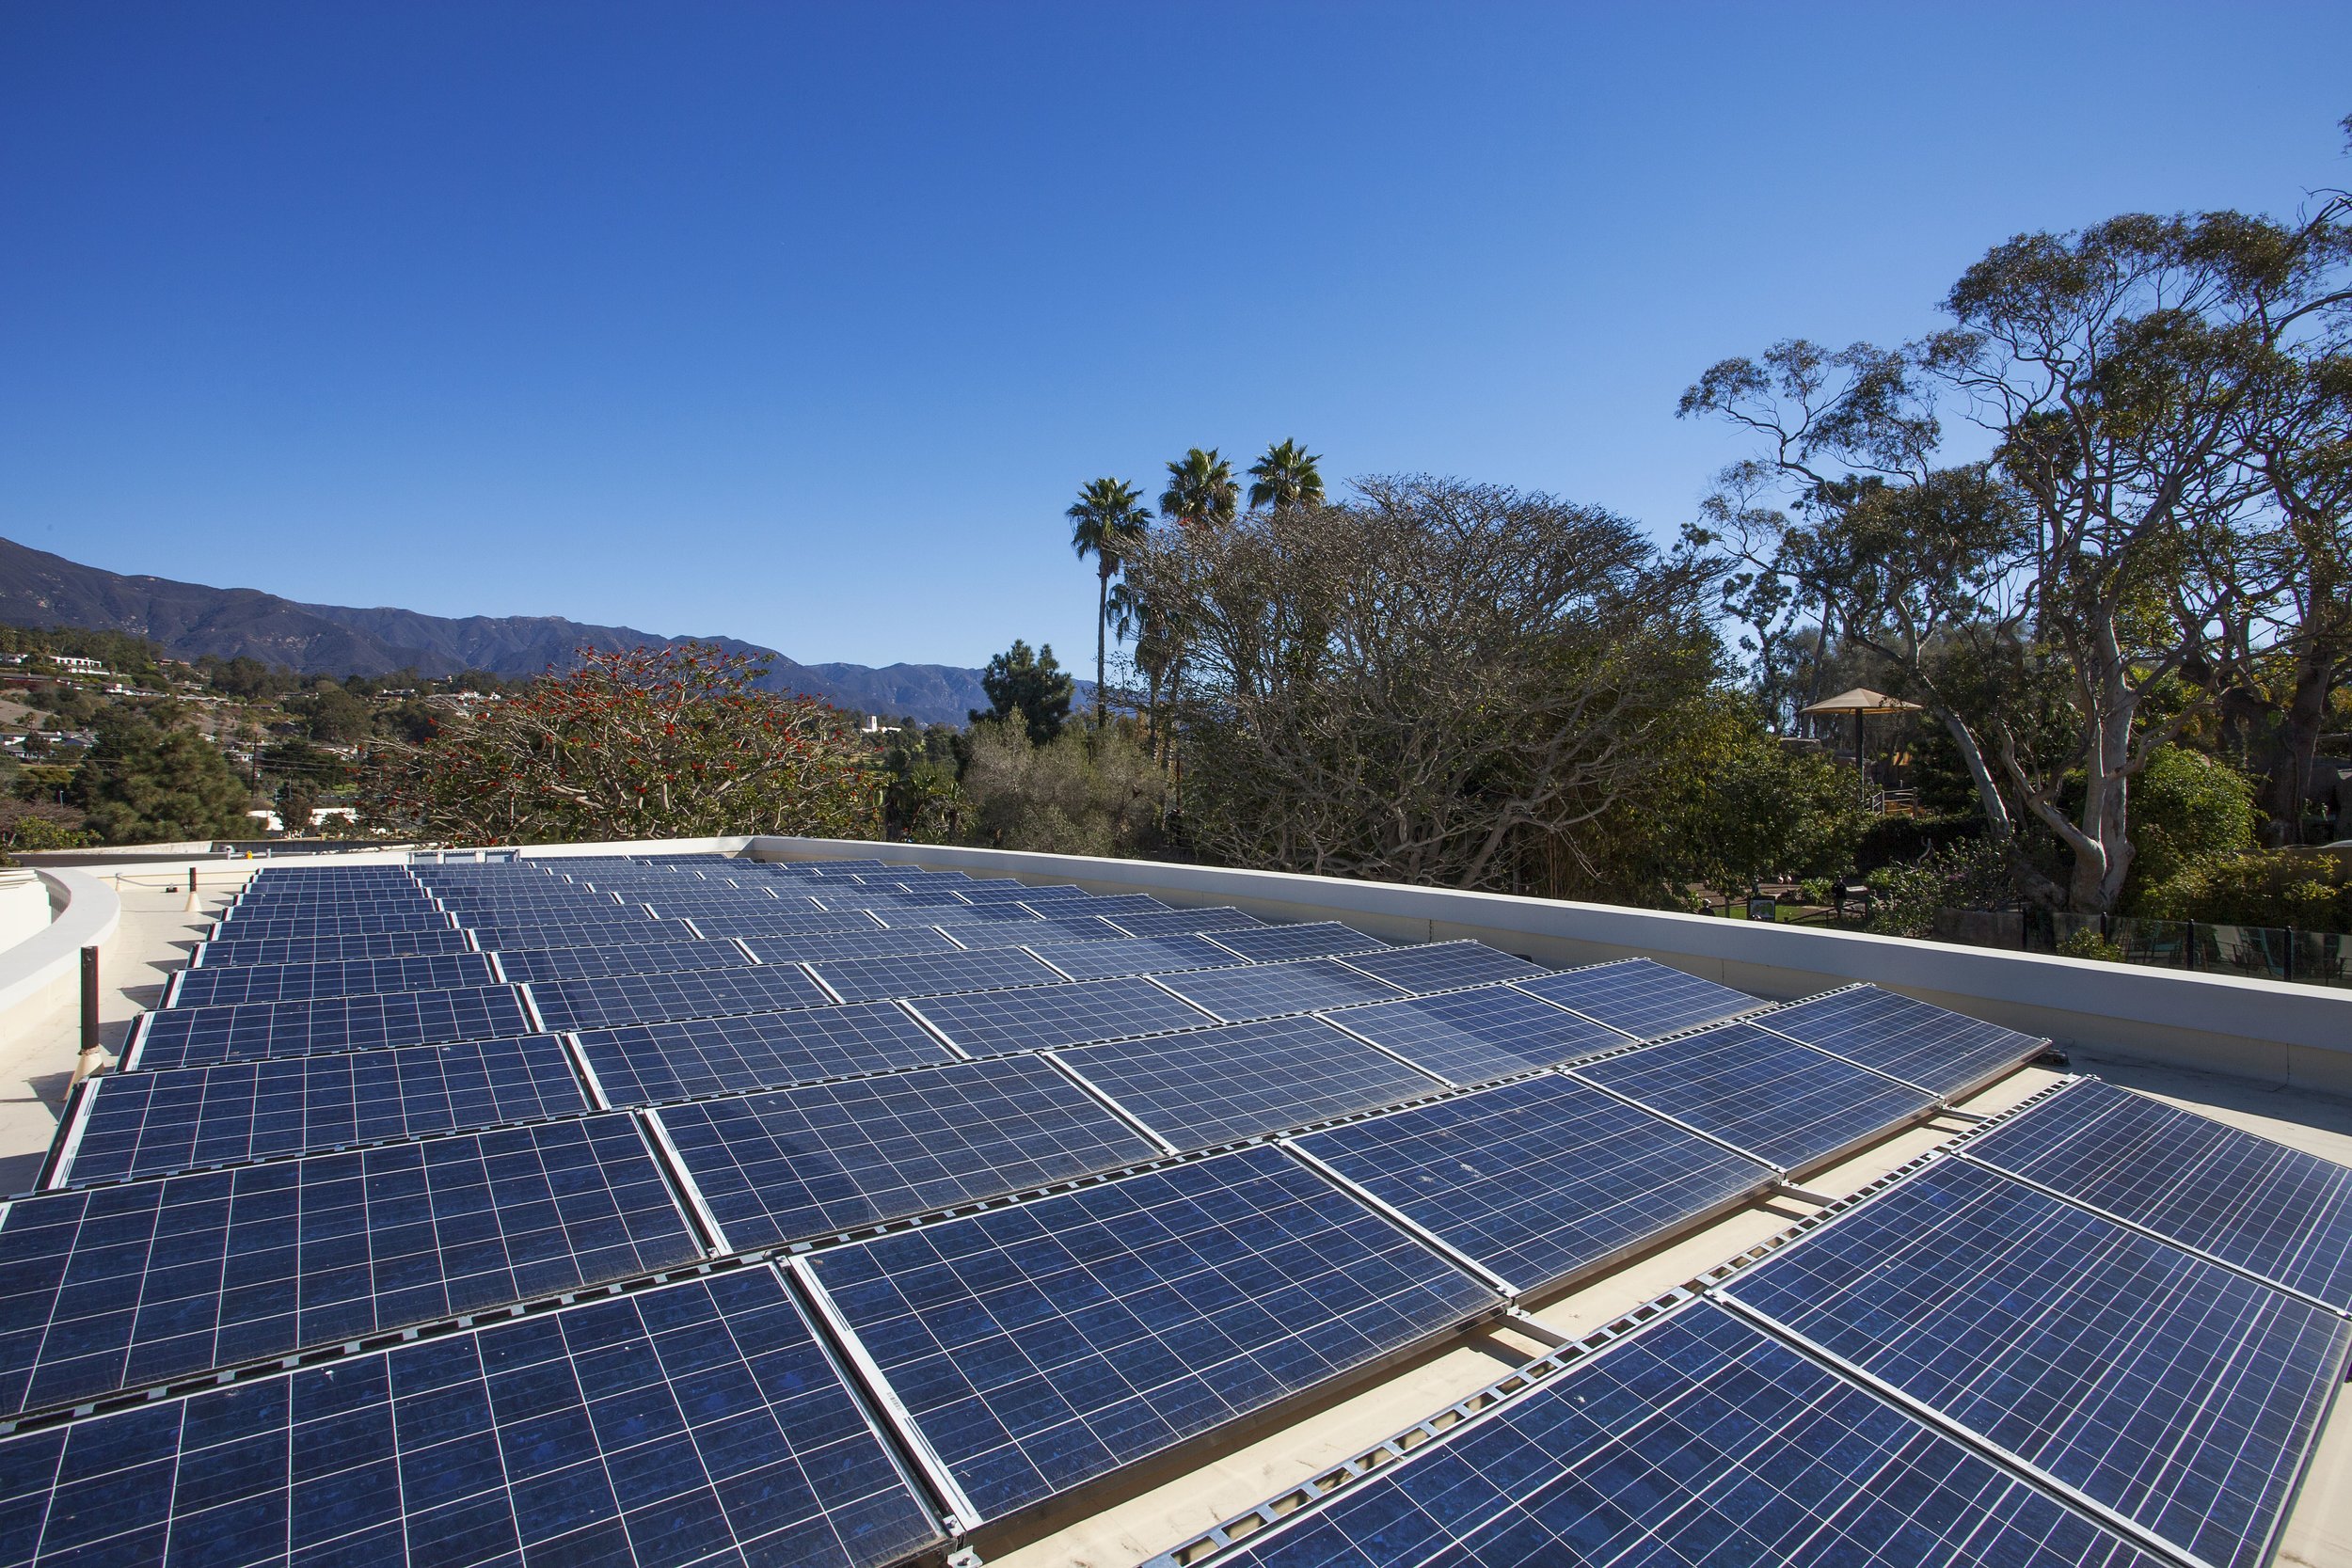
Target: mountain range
point(188, 620)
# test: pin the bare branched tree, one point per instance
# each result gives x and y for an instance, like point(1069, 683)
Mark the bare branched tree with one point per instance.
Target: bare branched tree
point(1425, 681)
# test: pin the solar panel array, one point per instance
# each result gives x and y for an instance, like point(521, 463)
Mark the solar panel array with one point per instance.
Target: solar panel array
point(1966, 1365)
point(921, 1195)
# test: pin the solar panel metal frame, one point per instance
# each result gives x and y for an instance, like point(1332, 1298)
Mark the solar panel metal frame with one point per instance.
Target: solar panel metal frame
point(1984, 1388)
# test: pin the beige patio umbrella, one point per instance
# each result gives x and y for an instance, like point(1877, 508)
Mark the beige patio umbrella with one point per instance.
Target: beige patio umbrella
point(1862, 703)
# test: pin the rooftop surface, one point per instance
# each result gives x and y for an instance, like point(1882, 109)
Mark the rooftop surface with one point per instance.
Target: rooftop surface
point(1162, 1501)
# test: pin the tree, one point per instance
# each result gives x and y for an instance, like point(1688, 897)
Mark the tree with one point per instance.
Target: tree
point(1106, 521)
point(1201, 492)
point(666, 742)
point(1028, 687)
point(1438, 682)
point(1286, 476)
point(297, 802)
point(331, 714)
point(145, 784)
point(1093, 794)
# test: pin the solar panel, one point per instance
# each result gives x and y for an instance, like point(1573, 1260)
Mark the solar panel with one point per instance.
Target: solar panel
point(877, 943)
point(609, 1001)
point(1032, 933)
point(539, 965)
point(150, 1123)
point(2281, 1212)
point(1042, 1344)
point(1272, 990)
point(1315, 939)
point(1933, 1046)
point(299, 950)
point(933, 973)
point(1471, 1036)
point(1696, 1440)
point(812, 1161)
point(1217, 1085)
point(2179, 1393)
point(692, 1423)
point(1114, 906)
point(558, 934)
point(990, 1022)
point(196, 1036)
point(262, 928)
point(1642, 998)
point(786, 922)
point(1538, 1180)
point(656, 1062)
point(137, 1283)
point(1782, 1101)
point(214, 987)
point(1098, 960)
point(1443, 966)
point(1160, 922)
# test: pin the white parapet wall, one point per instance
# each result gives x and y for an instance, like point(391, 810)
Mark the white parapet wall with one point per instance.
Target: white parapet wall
point(2295, 1035)
point(41, 969)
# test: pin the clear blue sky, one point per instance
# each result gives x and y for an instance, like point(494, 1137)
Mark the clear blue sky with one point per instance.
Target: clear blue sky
point(803, 324)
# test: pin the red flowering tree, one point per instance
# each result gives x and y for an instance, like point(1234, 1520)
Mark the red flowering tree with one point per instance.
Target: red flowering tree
point(670, 742)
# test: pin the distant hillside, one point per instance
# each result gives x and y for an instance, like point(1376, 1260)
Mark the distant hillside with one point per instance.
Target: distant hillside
point(190, 620)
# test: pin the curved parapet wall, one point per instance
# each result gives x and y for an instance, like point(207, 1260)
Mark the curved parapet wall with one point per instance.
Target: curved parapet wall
point(83, 913)
point(2263, 1029)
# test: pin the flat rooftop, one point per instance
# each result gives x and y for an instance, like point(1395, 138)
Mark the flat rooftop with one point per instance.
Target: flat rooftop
point(1160, 1504)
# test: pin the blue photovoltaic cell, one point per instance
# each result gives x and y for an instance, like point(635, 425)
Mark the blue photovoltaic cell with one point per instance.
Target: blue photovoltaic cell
point(494, 938)
point(1443, 966)
point(303, 950)
point(990, 1023)
point(1033, 933)
point(1098, 960)
point(1272, 990)
point(1642, 998)
point(1214, 1084)
point(1933, 1046)
point(879, 943)
point(1316, 938)
point(831, 1157)
point(927, 974)
point(539, 965)
point(1471, 1036)
point(215, 988)
point(123, 1285)
point(1785, 1103)
point(954, 917)
point(609, 1001)
point(2282, 1213)
point(150, 1123)
point(781, 923)
point(197, 1036)
point(2179, 1393)
point(263, 929)
point(1045, 1343)
point(1159, 923)
point(1538, 1180)
point(1117, 907)
point(1697, 1440)
point(656, 1062)
point(698, 1423)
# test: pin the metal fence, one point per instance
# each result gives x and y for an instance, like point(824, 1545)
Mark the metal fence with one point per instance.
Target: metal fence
point(2256, 951)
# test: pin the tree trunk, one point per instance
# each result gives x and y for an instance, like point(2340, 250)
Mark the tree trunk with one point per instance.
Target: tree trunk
point(1102, 635)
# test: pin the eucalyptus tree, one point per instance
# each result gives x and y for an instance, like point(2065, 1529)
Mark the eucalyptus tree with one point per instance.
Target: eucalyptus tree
point(1106, 521)
point(2126, 376)
point(1286, 476)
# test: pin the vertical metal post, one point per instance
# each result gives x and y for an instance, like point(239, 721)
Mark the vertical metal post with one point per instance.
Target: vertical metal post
point(89, 998)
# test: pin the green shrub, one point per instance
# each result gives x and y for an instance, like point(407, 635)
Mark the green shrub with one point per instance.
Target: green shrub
point(2187, 809)
point(2089, 944)
point(1904, 840)
point(1969, 874)
point(2308, 889)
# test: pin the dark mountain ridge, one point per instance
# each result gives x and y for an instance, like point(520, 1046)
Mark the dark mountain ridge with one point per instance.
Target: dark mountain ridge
point(189, 620)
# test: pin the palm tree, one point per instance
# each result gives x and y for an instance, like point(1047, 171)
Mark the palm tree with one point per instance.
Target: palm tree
point(1105, 521)
point(1200, 490)
point(1286, 476)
